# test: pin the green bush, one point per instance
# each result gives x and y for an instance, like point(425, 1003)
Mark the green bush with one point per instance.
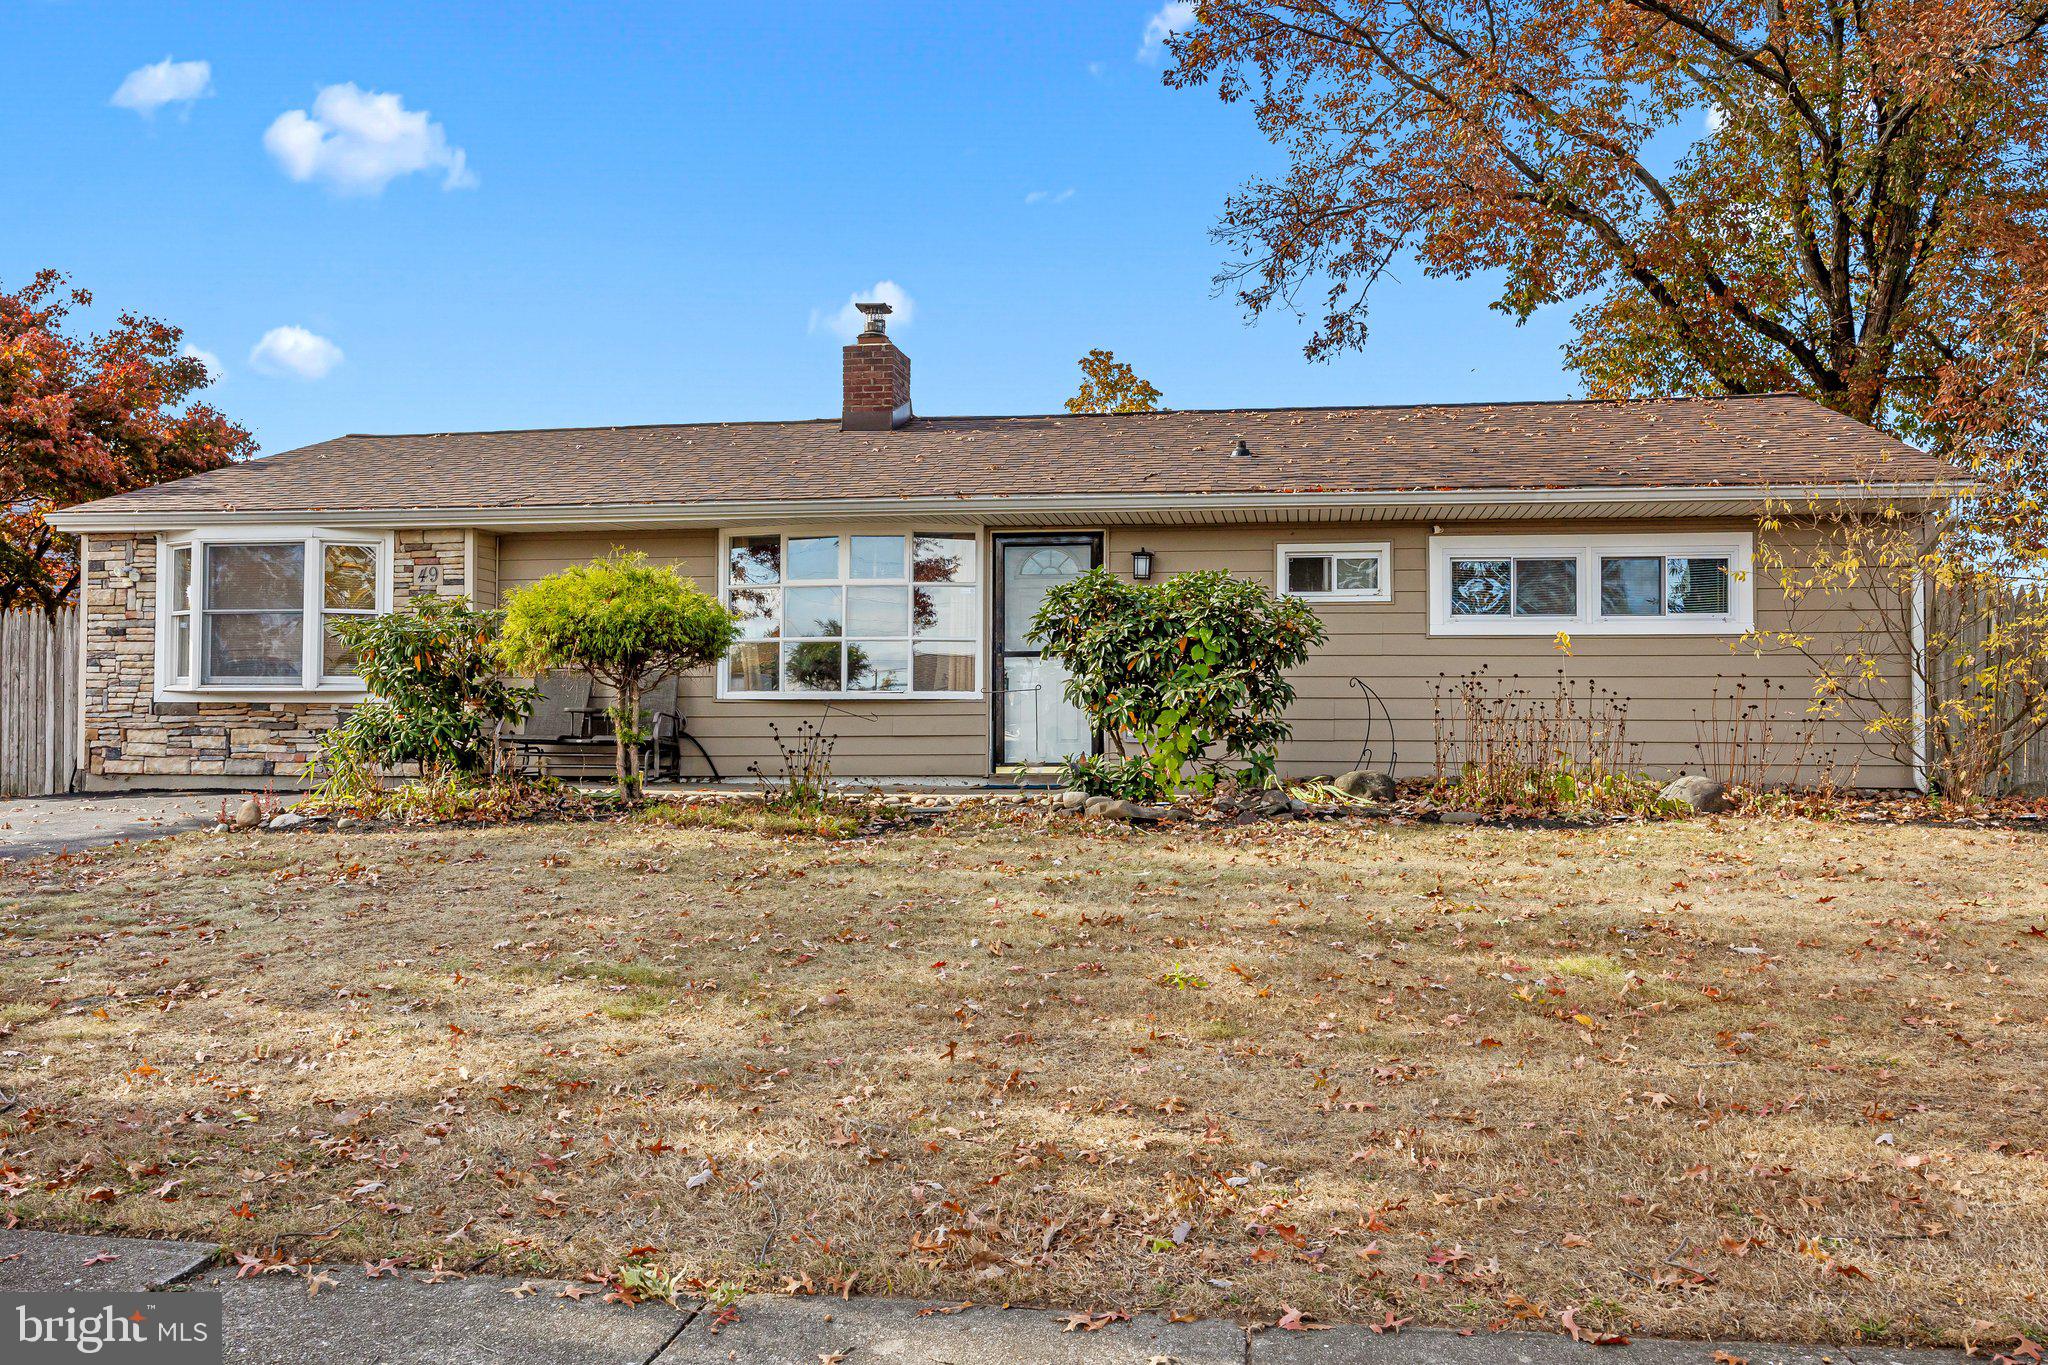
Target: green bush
point(627, 624)
point(1187, 677)
point(1109, 775)
point(440, 695)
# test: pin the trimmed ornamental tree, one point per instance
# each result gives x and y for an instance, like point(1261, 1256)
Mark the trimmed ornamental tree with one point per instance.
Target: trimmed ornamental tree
point(440, 697)
point(627, 624)
point(1187, 678)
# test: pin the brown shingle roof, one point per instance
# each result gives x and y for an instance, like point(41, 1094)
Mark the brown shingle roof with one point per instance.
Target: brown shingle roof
point(1772, 440)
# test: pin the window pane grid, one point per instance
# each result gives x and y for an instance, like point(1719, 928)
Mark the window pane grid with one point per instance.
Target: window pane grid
point(854, 614)
point(1664, 585)
point(1603, 584)
point(1334, 571)
point(247, 613)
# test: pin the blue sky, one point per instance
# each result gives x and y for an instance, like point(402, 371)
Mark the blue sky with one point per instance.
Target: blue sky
point(655, 215)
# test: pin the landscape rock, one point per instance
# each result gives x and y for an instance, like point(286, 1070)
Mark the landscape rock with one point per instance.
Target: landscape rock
point(1460, 817)
point(249, 814)
point(1703, 794)
point(1071, 800)
point(1111, 808)
point(1366, 784)
point(1263, 801)
point(286, 820)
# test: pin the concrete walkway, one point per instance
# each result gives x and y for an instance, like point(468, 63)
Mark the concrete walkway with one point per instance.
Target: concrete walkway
point(35, 826)
point(405, 1318)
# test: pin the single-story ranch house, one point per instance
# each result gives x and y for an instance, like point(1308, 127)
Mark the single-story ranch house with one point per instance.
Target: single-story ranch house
point(1434, 541)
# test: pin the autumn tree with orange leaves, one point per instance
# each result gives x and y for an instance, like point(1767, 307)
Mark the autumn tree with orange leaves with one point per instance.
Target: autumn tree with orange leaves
point(85, 417)
point(1110, 385)
point(1842, 199)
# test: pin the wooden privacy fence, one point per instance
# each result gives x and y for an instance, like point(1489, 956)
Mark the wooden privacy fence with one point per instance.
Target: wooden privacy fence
point(38, 701)
point(1968, 622)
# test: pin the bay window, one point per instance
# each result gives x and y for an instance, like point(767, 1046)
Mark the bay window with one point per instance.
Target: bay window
point(1647, 584)
point(852, 614)
point(257, 612)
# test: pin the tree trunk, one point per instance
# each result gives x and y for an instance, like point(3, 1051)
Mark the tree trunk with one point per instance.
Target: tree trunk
point(625, 725)
point(625, 736)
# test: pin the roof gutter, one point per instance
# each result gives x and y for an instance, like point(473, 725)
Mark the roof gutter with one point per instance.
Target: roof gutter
point(85, 519)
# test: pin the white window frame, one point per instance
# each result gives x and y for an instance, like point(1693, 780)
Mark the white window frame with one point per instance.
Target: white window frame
point(1738, 547)
point(846, 532)
point(311, 682)
point(1375, 549)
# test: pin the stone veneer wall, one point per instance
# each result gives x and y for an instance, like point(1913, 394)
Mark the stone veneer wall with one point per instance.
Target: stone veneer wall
point(132, 739)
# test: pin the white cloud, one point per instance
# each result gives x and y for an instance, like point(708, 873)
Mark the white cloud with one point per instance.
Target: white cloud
point(1717, 119)
point(358, 141)
point(294, 352)
point(214, 369)
point(1171, 18)
point(1049, 196)
point(149, 88)
point(847, 321)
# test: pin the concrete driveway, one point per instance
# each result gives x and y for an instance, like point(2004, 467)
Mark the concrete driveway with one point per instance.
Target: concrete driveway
point(35, 826)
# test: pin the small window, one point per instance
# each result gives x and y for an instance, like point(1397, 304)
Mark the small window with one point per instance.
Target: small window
point(181, 615)
point(1664, 585)
point(1538, 588)
point(1546, 587)
point(1681, 583)
point(1697, 585)
point(348, 591)
point(1335, 573)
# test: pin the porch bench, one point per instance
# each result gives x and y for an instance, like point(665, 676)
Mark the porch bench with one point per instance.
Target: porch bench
point(565, 723)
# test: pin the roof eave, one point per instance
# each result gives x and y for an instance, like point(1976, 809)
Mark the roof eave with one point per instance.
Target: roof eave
point(85, 520)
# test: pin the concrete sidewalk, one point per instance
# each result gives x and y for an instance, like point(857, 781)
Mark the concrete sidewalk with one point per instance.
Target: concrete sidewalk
point(406, 1318)
point(35, 826)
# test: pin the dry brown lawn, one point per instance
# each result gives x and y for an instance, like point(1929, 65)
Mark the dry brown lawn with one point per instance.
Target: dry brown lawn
point(1768, 1079)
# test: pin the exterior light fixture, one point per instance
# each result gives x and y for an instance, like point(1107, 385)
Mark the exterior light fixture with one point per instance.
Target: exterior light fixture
point(1141, 565)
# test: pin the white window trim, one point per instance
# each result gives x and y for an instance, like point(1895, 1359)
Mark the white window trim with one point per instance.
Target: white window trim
point(846, 531)
point(1738, 546)
point(1377, 549)
point(311, 684)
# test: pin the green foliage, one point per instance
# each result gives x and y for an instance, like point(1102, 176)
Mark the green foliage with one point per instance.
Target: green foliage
point(627, 624)
point(440, 695)
point(1109, 775)
point(1557, 789)
point(1191, 671)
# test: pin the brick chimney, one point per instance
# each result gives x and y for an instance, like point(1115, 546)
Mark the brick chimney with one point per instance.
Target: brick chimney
point(877, 377)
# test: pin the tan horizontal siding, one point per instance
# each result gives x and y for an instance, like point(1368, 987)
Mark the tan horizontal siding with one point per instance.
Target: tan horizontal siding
point(870, 739)
point(1668, 681)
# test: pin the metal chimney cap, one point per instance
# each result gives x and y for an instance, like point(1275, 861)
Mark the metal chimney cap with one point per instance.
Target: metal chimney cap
point(1240, 450)
point(876, 315)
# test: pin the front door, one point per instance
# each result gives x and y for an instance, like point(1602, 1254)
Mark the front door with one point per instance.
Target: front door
point(1035, 723)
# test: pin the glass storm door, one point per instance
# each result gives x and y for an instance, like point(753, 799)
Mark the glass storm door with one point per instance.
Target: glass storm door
point(1035, 723)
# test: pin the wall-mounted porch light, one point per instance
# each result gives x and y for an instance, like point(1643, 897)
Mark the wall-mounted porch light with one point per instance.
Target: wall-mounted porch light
point(1141, 564)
